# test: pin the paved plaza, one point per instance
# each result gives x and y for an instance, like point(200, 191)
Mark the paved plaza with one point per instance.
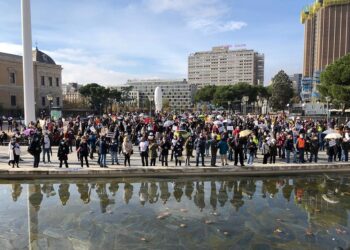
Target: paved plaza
point(136, 169)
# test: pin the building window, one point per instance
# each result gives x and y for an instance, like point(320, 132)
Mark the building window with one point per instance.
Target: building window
point(43, 101)
point(12, 77)
point(13, 100)
point(42, 80)
point(50, 81)
point(57, 81)
point(57, 101)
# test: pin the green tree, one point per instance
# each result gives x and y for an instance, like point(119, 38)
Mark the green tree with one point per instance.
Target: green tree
point(335, 82)
point(97, 95)
point(205, 94)
point(281, 91)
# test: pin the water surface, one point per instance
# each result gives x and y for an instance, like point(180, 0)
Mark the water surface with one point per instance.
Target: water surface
point(310, 212)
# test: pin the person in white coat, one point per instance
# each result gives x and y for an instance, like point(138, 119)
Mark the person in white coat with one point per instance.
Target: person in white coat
point(14, 152)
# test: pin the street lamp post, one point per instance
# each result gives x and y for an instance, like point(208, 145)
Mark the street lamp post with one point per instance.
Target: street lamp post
point(150, 98)
point(245, 100)
point(229, 106)
point(49, 98)
point(328, 99)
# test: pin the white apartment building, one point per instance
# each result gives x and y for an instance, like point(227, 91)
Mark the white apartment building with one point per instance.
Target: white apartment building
point(223, 66)
point(179, 93)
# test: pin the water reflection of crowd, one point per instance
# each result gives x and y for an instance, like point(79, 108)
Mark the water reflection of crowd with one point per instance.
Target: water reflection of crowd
point(237, 192)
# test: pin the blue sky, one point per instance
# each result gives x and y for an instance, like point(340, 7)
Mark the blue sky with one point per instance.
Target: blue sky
point(110, 41)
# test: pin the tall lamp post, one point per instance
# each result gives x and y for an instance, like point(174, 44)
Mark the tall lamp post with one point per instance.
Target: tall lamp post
point(49, 98)
point(328, 99)
point(229, 106)
point(245, 100)
point(150, 98)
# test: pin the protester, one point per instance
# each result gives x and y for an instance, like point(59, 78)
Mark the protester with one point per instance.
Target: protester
point(223, 149)
point(35, 149)
point(127, 150)
point(14, 152)
point(153, 148)
point(189, 150)
point(63, 151)
point(252, 148)
point(83, 152)
point(200, 149)
point(46, 147)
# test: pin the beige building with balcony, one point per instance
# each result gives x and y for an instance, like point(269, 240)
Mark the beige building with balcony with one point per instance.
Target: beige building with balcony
point(47, 81)
point(178, 94)
point(222, 66)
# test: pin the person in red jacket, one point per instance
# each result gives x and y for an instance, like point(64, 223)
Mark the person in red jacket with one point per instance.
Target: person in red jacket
point(301, 143)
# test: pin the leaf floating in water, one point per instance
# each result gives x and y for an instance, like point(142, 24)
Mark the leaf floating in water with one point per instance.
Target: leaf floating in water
point(225, 233)
point(143, 239)
point(209, 222)
point(184, 210)
point(309, 232)
point(317, 210)
point(339, 231)
point(330, 200)
point(278, 231)
point(183, 225)
point(215, 213)
point(163, 215)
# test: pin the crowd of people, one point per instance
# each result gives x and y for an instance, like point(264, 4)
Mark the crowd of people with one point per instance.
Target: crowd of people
point(186, 139)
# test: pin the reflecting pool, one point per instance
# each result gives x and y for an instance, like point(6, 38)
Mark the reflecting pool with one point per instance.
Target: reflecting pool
point(310, 212)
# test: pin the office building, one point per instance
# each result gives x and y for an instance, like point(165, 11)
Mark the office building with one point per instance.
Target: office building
point(178, 94)
point(296, 83)
point(327, 36)
point(47, 82)
point(222, 66)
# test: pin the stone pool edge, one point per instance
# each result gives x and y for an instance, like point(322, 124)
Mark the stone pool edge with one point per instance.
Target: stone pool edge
point(124, 172)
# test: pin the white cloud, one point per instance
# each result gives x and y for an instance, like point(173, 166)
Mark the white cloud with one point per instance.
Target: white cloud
point(11, 48)
point(81, 67)
point(210, 16)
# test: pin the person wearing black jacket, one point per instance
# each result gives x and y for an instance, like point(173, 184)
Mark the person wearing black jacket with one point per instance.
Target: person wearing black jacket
point(289, 146)
point(165, 146)
point(238, 148)
point(35, 149)
point(63, 151)
point(84, 151)
point(214, 150)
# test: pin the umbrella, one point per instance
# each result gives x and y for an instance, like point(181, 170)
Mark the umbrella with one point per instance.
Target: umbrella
point(227, 121)
point(28, 131)
point(218, 123)
point(245, 133)
point(90, 116)
point(333, 136)
point(219, 117)
point(168, 123)
point(329, 131)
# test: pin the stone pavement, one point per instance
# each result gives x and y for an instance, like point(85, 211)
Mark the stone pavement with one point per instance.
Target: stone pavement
point(52, 170)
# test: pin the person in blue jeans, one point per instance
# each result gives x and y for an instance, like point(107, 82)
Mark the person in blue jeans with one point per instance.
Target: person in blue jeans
point(103, 147)
point(200, 144)
point(251, 149)
point(223, 149)
point(113, 150)
point(289, 146)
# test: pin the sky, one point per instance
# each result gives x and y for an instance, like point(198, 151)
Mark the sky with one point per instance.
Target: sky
point(111, 41)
